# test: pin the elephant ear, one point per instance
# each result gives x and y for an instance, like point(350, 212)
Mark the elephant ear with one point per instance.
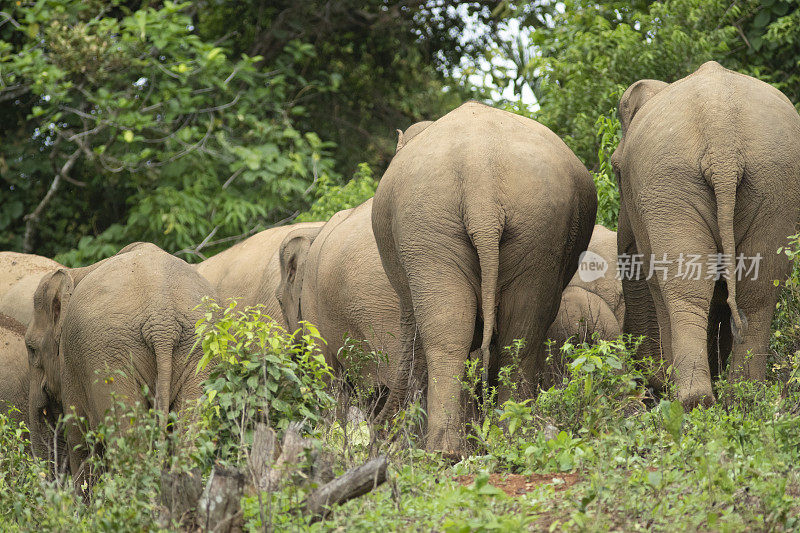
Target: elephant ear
point(49, 304)
point(58, 292)
point(403, 137)
point(634, 98)
point(292, 256)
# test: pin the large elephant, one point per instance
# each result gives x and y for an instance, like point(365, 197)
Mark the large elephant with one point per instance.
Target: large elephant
point(592, 303)
point(333, 278)
point(249, 271)
point(19, 276)
point(479, 220)
point(13, 369)
point(134, 312)
point(709, 177)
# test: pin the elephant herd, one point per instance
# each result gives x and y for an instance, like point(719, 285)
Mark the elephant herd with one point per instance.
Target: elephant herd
point(473, 239)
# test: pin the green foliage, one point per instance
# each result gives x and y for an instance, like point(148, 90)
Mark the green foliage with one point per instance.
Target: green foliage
point(261, 373)
point(124, 493)
point(578, 56)
point(377, 66)
point(602, 381)
point(332, 198)
point(180, 138)
point(608, 136)
point(785, 341)
point(18, 471)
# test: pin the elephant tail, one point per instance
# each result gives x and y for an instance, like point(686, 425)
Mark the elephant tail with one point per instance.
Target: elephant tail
point(164, 376)
point(163, 351)
point(162, 339)
point(487, 245)
point(724, 179)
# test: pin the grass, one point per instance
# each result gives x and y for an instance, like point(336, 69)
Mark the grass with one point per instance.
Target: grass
point(594, 453)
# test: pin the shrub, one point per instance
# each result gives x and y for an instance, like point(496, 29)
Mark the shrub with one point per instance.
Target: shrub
point(332, 198)
point(608, 136)
point(602, 382)
point(262, 374)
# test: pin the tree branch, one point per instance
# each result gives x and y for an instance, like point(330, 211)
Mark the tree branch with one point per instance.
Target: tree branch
point(32, 219)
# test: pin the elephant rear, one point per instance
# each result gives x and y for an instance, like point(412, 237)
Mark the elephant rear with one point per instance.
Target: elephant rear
point(709, 168)
point(479, 220)
point(136, 314)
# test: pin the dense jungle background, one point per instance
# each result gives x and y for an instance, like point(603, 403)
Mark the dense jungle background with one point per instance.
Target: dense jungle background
point(193, 125)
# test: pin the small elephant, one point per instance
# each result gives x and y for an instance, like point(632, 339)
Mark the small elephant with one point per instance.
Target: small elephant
point(479, 220)
point(19, 276)
point(134, 312)
point(13, 370)
point(592, 303)
point(333, 278)
point(249, 271)
point(709, 176)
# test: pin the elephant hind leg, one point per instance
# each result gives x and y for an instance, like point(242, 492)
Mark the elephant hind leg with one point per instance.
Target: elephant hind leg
point(446, 330)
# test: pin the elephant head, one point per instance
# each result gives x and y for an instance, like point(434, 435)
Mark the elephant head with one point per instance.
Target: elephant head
point(292, 256)
point(630, 103)
point(42, 340)
point(404, 136)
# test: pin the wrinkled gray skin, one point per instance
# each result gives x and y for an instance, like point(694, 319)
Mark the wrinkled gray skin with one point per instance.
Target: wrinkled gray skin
point(709, 164)
point(19, 276)
point(13, 370)
point(593, 306)
point(249, 271)
point(479, 220)
point(135, 313)
point(334, 279)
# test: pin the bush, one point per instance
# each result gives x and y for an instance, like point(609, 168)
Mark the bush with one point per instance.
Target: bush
point(608, 136)
point(261, 374)
point(332, 198)
point(602, 383)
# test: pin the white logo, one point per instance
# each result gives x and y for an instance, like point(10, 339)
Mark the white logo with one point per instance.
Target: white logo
point(591, 267)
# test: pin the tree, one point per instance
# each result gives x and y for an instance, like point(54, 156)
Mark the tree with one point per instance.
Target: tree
point(159, 135)
point(383, 64)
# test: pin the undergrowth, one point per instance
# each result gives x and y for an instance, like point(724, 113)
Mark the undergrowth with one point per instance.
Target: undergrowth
point(595, 452)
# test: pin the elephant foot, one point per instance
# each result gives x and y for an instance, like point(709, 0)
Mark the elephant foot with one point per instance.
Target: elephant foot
point(453, 457)
point(692, 399)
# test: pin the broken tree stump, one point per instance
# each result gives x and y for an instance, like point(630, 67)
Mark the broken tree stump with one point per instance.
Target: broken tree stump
point(292, 448)
point(261, 455)
point(180, 492)
point(352, 484)
point(219, 508)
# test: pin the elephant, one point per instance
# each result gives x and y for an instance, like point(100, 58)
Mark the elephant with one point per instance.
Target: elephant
point(135, 313)
point(249, 271)
point(20, 276)
point(592, 303)
point(480, 220)
point(336, 274)
point(709, 177)
point(13, 370)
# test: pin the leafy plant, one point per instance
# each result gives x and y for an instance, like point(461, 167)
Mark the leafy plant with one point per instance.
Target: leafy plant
point(602, 382)
point(261, 373)
point(331, 197)
point(608, 136)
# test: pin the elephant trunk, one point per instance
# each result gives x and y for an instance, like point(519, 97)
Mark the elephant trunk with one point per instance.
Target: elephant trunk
point(724, 179)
